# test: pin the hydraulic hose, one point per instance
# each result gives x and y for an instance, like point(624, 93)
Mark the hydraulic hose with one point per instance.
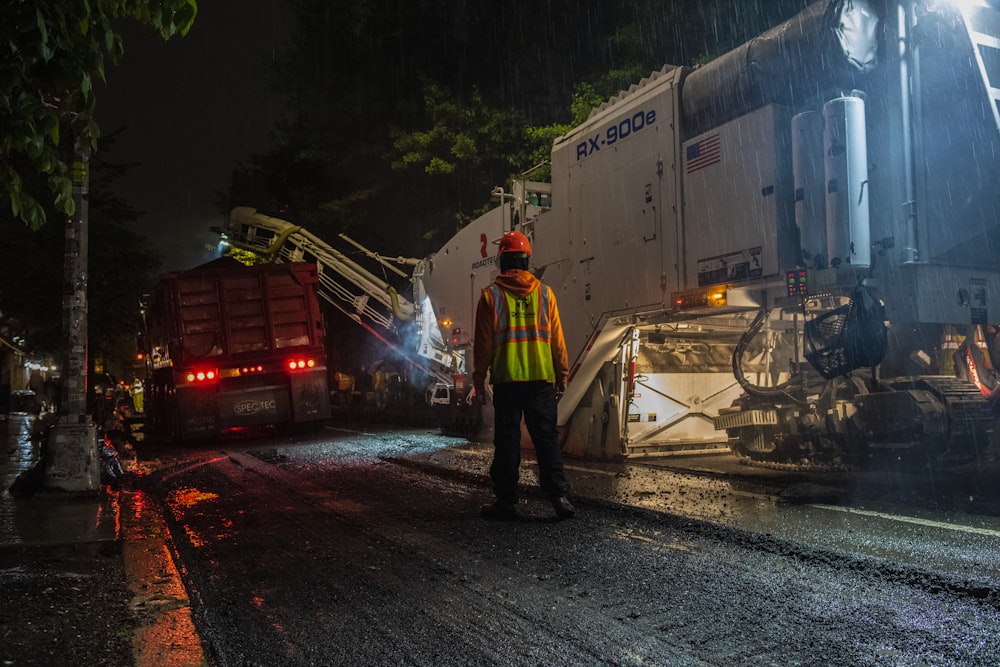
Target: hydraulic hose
point(778, 391)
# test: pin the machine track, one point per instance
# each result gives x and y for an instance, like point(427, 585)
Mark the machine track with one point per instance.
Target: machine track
point(970, 416)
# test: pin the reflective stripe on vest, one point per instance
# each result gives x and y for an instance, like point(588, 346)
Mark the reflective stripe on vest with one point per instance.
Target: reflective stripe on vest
point(521, 350)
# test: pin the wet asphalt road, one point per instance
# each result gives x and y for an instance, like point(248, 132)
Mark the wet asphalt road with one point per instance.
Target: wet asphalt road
point(323, 553)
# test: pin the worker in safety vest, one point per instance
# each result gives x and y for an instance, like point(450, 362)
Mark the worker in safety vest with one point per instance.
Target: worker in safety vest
point(519, 340)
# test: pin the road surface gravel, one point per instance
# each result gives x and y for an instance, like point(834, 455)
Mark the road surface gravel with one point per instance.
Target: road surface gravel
point(327, 555)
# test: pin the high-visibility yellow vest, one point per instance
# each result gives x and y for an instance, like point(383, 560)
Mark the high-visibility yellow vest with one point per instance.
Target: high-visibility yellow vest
point(521, 350)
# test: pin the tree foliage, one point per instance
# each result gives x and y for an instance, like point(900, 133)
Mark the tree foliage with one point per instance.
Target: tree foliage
point(52, 52)
point(403, 116)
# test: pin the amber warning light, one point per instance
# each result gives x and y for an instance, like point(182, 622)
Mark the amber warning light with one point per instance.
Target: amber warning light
point(699, 298)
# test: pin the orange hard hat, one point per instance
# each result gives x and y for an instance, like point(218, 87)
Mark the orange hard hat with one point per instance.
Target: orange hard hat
point(514, 242)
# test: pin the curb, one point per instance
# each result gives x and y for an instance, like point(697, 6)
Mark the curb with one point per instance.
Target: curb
point(165, 635)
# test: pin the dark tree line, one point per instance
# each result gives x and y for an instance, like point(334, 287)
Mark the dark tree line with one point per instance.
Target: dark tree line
point(122, 268)
point(402, 115)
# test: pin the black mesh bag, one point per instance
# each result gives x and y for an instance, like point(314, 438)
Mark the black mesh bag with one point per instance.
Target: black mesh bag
point(848, 337)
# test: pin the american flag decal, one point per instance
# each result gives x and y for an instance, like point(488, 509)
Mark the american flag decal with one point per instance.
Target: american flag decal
point(704, 153)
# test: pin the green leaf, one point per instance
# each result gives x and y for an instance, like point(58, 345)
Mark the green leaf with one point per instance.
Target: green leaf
point(35, 144)
point(31, 212)
point(184, 18)
point(42, 29)
point(44, 162)
point(93, 133)
point(62, 186)
point(439, 166)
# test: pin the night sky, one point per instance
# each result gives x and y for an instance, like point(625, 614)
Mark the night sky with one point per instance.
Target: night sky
point(193, 108)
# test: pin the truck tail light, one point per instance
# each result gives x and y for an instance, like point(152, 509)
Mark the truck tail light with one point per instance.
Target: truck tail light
point(459, 338)
point(300, 364)
point(202, 375)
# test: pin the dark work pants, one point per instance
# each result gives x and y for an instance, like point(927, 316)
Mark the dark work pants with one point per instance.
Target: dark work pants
point(537, 402)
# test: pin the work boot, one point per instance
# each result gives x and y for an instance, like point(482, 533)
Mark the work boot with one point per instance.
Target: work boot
point(563, 507)
point(498, 511)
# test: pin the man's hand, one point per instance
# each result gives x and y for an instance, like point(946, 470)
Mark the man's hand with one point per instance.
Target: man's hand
point(479, 398)
point(560, 390)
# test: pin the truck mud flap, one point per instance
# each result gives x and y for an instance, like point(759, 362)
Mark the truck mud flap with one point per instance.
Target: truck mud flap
point(310, 397)
point(196, 416)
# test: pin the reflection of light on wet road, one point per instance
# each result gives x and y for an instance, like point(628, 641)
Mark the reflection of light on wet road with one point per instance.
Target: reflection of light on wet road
point(909, 519)
point(185, 498)
point(194, 538)
point(23, 452)
point(258, 602)
point(141, 513)
point(110, 511)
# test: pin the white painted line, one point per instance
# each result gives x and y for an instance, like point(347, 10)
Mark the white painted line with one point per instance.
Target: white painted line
point(909, 519)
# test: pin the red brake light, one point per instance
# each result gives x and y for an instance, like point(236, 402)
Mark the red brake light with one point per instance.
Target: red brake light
point(299, 364)
point(201, 375)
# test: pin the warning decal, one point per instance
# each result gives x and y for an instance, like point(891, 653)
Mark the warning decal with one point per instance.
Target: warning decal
point(730, 268)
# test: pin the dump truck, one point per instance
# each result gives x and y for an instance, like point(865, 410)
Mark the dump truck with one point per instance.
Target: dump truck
point(230, 346)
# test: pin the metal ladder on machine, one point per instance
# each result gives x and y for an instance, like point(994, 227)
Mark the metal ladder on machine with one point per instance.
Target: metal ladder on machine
point(352, 289)
point(983, 25)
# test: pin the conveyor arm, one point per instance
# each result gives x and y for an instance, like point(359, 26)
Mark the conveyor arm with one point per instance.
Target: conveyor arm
point(351, 288)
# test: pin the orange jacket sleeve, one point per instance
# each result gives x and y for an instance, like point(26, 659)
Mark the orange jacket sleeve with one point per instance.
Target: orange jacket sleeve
point(560, 358)
point(482, 351)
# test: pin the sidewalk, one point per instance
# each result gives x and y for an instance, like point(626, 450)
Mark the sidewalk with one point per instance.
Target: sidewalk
point(85, 578)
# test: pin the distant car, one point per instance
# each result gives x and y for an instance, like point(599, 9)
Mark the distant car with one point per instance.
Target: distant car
point(438, 394)
point(25, 400)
